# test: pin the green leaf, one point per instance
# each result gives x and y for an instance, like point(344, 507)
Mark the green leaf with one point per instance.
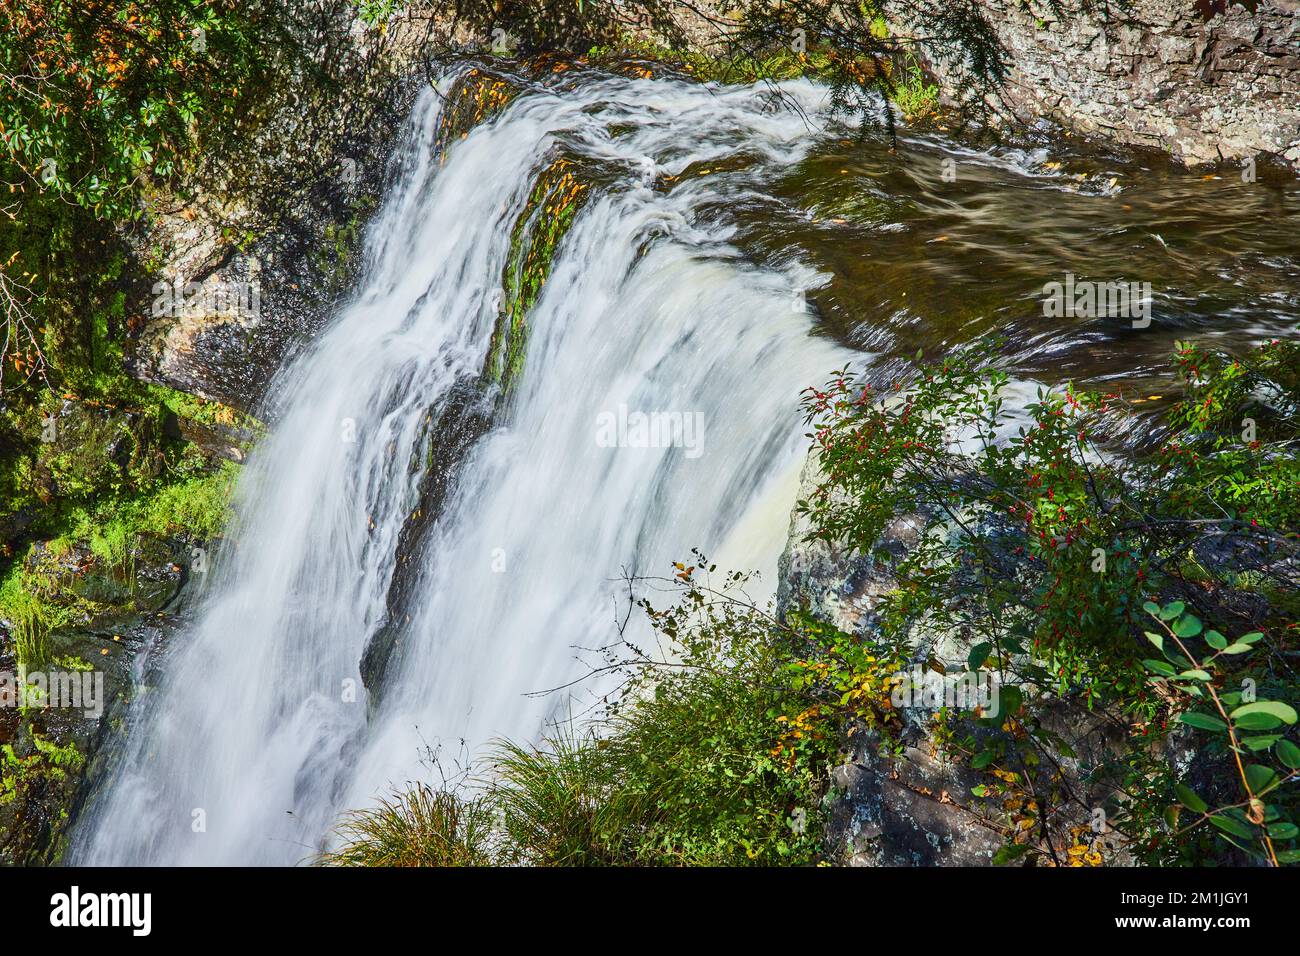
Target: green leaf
point(1202, 721)
point(1237, 648)
point(1258, 743)
point(1216, 640)
point(1188, 798)
point(1285, 713)
point(1283, 831)
point(982, 759)
point(1009, 701)
point(1156, 639)
point(980, 790)
point(1152, 608)
point(1259, 777)
point(978, 655)
point(1160, 667)
point(1256, 721)
point(1289, 754)
point(1232, 826)
point(1009, 853)
point(1171, 610)
point(1289, 856)
point(1194, 675)
point(1250, 638)
point(1188, 626)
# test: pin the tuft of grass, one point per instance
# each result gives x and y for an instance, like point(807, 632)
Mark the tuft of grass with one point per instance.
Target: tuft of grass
point(29, 618)
point(914, 96)
point(418, 827)
point(560, 803)
point(114, 545)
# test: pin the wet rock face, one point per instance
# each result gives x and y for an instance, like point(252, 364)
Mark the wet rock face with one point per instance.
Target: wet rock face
point(219, 320)
point(248, 266)
point(1205, 80)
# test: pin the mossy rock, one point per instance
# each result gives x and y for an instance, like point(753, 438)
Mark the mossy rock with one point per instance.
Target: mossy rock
point(84, 449)
point(477, 96)
point(556, 197)
point(99, 580)
point(108, 614)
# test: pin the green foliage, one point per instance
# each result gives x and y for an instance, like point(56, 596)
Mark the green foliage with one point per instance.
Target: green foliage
point(1237, 433)
point(1041, 545)
point(914, 96)
point(49, 763)
point(1265, 828)
point(107, 95)
point(376, 12)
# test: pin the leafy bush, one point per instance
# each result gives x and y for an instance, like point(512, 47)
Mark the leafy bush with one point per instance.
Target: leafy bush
point(1044, 546)
point(106, 93)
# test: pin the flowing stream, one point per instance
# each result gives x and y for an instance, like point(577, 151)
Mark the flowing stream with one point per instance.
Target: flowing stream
point(730, 251)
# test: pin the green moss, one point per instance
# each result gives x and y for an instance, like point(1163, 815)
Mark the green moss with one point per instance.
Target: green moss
point(550, 211)
point(50, 763)
point(198, 507)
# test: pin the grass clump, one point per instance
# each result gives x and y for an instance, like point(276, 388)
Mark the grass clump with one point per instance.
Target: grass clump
point(30, 619)
point(421, 826)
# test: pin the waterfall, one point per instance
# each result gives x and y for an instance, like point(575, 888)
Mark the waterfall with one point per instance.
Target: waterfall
point(259, 732)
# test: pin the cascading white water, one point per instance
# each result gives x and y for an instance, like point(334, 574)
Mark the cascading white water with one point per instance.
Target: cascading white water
point(647, 307)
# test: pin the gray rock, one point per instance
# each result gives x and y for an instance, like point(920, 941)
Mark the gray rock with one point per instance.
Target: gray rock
point(1207, 82)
